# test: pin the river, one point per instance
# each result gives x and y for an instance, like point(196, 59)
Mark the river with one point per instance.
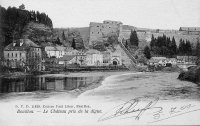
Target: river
point(161, 88)
point(164, 85)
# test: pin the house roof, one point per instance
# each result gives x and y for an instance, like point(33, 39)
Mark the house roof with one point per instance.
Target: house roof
point(66, 58)
point(69, 49)
point(158, 58)
point(172, 59)
point(93, 51)
point(105, 53)
point(55, 48)
point(21, 45)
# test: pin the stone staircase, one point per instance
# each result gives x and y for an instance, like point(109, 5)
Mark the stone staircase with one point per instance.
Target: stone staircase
point(133, 61)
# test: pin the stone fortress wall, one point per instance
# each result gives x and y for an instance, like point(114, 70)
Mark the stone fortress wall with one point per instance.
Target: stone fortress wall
point(100, 31)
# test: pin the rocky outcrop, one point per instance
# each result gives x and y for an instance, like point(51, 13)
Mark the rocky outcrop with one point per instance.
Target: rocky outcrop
point(193, 75)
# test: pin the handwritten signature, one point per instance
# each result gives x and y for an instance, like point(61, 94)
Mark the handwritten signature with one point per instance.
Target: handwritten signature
point(135, 109)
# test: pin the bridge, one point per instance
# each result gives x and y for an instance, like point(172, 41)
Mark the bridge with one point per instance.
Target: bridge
point(186, 66)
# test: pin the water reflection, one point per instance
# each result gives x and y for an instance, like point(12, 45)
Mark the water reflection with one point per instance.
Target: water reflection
point(32, 83)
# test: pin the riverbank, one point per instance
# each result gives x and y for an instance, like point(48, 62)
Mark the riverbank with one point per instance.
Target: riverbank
point(14, 74)
point(192, 75)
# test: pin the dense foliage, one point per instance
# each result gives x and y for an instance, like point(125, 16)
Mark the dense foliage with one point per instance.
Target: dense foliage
point(113, 39)
point(197, 51)
point(134, 38)
point(73, 44)
point(184, 48)
point(163, 46)
point(147, 52)
point(13, 20)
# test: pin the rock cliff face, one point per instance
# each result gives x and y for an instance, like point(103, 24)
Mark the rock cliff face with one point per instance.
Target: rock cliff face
point(193, 75)
point(37, 32)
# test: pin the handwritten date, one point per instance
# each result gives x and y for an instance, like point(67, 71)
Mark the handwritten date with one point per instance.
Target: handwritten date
point(137, 107)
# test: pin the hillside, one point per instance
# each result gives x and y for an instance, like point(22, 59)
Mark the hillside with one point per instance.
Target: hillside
point(144, 34)
point(15, 21)
point(37, 32)
point(80, 34)
point(147, 37)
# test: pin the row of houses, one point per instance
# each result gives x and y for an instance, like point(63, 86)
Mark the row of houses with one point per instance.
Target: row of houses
point(163, 61)
point(92, 57)
point(24, 53)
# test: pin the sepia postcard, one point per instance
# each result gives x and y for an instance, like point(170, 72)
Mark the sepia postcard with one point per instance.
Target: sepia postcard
point(99, 62)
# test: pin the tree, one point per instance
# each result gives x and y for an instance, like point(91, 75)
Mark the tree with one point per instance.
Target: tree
point(126, 44)
point(58, 41)
point(152, 43)
point(188, 48)
point(198, 49)
point(181, 48)
point(63, 36)
point(22, 7)
point(73, 44)
point(147, 52)
point(163, 45)
point(173, 46)
point(134, 39)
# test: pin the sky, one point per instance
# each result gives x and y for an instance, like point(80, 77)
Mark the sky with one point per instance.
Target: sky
point(157, 14)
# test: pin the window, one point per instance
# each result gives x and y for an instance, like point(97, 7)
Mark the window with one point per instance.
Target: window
point(8, 55)
point(97, 26)
point(12, 54)
point(98, 32)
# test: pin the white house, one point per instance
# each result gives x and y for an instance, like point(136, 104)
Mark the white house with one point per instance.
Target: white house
point(23, 53)
point(55, 51)
point(94, 58)
point(81, 58)
point(187, 59)
point(106, 58)
point(158, 61)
